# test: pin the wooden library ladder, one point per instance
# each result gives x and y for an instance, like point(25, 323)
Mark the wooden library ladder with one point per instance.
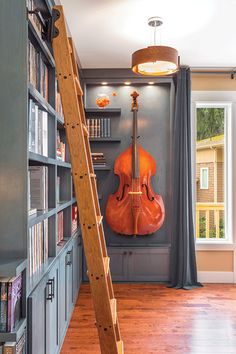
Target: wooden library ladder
point(85, 188)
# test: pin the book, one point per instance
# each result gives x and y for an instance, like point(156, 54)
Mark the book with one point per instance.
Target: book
point(74, 224)
point(61, 148)
point(39, 187)
point(60, 231)
point(32, 127)
point(44, 79)
point(58, 100)
point(58, 189)
point(44, 133)
point(14, 302)
point(3, 304)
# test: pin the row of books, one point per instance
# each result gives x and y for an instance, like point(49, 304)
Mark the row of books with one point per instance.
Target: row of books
point(61, 148)
point(98, 159)
point(38, 129)
point(14, 347)
point(60, 224)
point(38, 246)
point(37, 188)
point(99, 127)
point(37, 71)
point(10, 303)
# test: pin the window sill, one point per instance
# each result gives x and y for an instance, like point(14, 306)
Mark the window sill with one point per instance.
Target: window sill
point(215, 245)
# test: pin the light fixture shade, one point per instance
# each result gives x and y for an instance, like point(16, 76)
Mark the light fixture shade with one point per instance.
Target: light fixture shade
point(155, 61)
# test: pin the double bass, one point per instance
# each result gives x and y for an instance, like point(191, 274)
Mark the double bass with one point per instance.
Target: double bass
point(134, 209)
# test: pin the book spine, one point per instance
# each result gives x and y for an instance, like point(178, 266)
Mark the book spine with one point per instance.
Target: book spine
point(102, 128)
point(108, 127)
point(105, 127)
point(3, 307)
point(9, 305)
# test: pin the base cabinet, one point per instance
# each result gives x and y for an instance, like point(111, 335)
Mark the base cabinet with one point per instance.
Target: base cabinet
point(137, 264)
point(51, 304)
point(131, 264)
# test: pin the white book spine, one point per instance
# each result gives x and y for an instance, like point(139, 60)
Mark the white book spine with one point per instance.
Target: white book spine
point(45, 134)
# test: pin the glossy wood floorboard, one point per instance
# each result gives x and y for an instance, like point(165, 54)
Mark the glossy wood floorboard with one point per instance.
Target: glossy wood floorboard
point(155, 319)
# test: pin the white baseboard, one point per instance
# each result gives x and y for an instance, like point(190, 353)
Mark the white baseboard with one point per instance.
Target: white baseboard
point(216, 277)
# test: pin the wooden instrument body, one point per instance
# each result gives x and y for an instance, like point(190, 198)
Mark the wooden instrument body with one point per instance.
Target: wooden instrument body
point(134, 209)
point(121, 205)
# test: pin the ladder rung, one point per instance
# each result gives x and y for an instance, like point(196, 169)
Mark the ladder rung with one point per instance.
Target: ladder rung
point(106, 264)
point(85, 129)
point(93, 175)
point(99, 219)
point(113, 310)
point(120, 347)
point(78, 87)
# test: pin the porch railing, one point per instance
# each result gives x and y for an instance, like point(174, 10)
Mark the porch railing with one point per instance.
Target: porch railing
point(209, 220)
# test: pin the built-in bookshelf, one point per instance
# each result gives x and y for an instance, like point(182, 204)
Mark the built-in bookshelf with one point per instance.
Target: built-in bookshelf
point(36, 186)
point(99, 123)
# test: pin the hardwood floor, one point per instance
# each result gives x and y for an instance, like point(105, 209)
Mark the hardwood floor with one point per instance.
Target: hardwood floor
point(155, 319)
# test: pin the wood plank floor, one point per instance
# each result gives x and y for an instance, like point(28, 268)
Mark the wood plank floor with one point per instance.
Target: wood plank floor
point(155, 319)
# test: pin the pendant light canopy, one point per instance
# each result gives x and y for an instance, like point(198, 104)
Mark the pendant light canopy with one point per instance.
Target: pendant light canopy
point(155, 60)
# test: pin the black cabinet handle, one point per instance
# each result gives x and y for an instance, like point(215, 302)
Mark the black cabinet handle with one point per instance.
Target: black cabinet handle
point(69, 259)
point(125, 253)
point(130, 253)
point(53, 287)
point(49, 290)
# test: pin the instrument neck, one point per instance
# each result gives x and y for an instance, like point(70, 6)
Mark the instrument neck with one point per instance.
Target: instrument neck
point(135, 155)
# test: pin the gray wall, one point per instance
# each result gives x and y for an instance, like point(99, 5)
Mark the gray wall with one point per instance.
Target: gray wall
point(155, 117)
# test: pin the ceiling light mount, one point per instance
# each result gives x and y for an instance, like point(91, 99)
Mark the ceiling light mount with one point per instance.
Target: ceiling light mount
point(155, 60)
point(155, 21)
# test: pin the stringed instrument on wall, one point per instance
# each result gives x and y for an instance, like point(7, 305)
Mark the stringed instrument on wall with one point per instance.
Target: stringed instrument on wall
point(134, 209)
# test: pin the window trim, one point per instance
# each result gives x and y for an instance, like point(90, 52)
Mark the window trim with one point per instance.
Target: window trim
point(228, 187)
point(201, 179)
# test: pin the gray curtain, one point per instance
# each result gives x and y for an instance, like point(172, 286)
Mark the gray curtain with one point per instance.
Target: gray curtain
point(183, 260)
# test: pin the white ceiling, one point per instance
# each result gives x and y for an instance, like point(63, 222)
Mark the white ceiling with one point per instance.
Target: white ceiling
point(106, 32)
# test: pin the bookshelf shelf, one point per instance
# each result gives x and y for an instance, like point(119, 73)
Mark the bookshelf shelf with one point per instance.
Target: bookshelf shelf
point(112, 111)
point(40, 100)
point(16, 335)
point(63, 205)
point(42, 159)
point(40, 216)
point(102, 168)
point(63, 164)
point(104, 140)
point(44, 48)
point(12, 267)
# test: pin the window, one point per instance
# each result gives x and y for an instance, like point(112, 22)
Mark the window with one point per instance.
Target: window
point(213, 173)
point(204, 177)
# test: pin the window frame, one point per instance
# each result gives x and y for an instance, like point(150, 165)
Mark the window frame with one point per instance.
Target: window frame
point(228, 240)
point(201, 179)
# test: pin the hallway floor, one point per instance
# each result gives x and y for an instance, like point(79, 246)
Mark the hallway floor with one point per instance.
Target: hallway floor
point(154, 319)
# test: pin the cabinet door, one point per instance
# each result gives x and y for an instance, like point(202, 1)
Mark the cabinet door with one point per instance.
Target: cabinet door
point(69, 281)
point(36, 320)
point(75, 269)
point(51, 296)
point(148, 264)
point(79, 255)
point(118, 264)
point(62, 315)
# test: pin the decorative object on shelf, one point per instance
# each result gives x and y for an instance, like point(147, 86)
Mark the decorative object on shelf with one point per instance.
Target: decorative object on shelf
point(156, 60)
point(134, 209)
point(102, 100)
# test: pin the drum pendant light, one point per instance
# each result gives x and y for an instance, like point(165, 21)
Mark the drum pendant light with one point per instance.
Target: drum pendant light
point(156, 60)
